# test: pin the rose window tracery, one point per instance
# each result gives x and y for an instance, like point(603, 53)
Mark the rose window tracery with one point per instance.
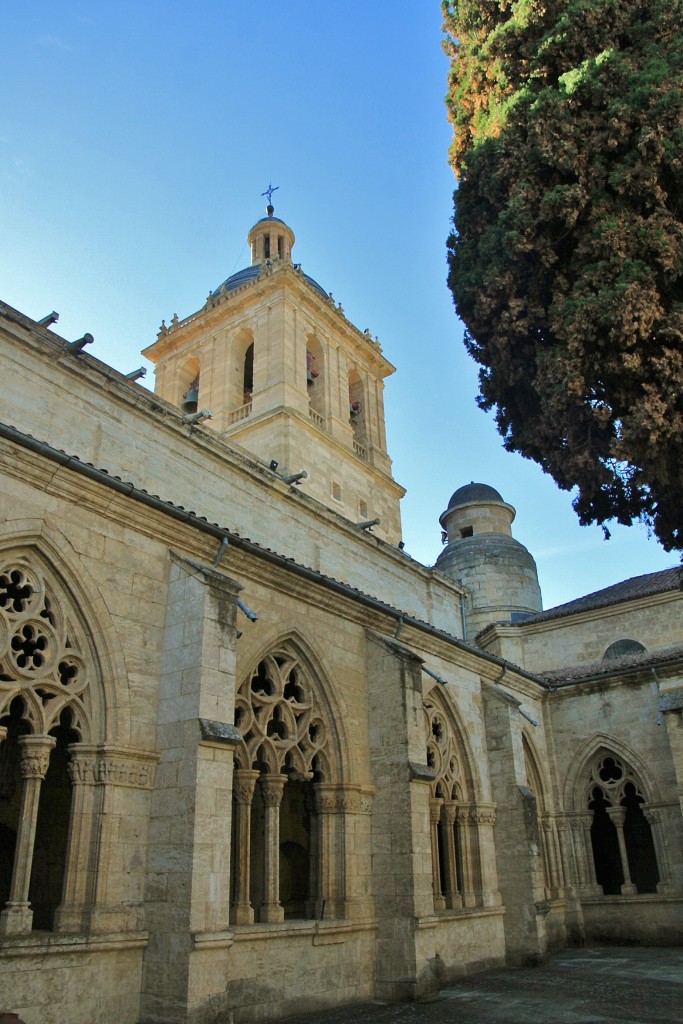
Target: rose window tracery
point(281, 729)
point(40, 659)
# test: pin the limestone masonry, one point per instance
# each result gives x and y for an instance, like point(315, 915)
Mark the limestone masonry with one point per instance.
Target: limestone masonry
point(254, 759)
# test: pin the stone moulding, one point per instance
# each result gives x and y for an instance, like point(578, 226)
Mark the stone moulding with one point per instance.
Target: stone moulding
point(55, 944)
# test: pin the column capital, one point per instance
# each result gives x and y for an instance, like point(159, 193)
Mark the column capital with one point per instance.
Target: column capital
point(34, 757)
point(449, 811)
point(243, 784)
point(435, 805)
point(617, 815)
point(272, 787)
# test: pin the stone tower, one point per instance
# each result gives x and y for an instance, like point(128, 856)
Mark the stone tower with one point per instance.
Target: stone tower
point(482, 554)
point(289, 378)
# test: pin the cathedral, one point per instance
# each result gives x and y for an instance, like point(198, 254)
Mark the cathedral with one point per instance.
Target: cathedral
point(254, 758)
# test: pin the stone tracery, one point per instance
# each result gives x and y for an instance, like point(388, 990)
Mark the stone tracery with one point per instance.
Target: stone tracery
point(288, 796)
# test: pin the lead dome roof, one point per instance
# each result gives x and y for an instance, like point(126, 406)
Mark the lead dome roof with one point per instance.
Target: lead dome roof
point(472, 493)
point(251, 273)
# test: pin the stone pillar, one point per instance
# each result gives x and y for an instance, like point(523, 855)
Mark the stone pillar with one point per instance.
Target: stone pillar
point(483, 819)
point(272, 787)
point(434, 818)
point(34, 760)
point(569, 869)
point(330, 860)
point(352, 844)
point(448, 815)
point(401, 847)
point(617, 816)
point(518, 854)
point(468, 857)
point(653, 816)
point(244, 782)
point(70, 915)
point(187, 899)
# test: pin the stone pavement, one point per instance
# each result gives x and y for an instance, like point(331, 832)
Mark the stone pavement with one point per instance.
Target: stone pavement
point(597, 985)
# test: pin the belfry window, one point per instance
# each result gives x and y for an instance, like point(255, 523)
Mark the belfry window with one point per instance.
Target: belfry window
point(248, 374)
point(266, 247)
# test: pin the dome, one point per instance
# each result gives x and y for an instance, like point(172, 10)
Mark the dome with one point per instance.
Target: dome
point(472, 493)
point(251, 273)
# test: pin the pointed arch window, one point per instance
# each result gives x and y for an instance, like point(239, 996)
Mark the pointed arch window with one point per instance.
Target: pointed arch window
point(460, 878)
point(286, 802)
point(45, 673)
point(622, 842)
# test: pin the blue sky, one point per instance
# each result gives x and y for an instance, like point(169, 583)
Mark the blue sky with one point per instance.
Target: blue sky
point(135, 141)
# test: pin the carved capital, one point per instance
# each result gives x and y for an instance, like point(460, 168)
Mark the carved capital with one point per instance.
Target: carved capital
point(449, 811)
point(94, 766)
point(243, 785)
point(617, 815)
point(435, 811)
point(271, 788)
point(652, 816)
point(34, 756)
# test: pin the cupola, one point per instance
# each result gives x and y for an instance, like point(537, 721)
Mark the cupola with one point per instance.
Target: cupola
point(270, 239)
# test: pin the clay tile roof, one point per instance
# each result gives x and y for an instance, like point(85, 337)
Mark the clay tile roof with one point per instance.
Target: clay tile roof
point(628, 590)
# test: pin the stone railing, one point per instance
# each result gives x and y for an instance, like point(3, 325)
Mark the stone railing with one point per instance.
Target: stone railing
point(316, 418)
point(360, 451)
point(239, 414)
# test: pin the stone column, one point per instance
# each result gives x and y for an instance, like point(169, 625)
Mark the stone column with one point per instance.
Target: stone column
point(653, 816)
point(569, 869)
point(467, 857)
point(272, 787)
point(329, 801)
point(70, 915)
point(448, 815)
point(34, 760)
point(483, 818)
point(244, 782)
point(617, 816)
point(583, 849)
point(434, 818)
point(550, 854)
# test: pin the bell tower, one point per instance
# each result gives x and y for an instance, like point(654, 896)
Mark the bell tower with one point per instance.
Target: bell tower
point(287, 376)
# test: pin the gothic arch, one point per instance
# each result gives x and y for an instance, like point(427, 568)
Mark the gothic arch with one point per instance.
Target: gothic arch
point(299, 653)
point(609, 791)
point(458, 820)
point(536, 777)
point(290, 788)
point(79, 608)
point(577, 782)
point(470, 780)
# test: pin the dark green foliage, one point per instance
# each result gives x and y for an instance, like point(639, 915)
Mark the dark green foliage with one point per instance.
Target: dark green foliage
point(566, 262)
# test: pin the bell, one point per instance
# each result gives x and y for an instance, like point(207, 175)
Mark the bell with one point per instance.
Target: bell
point(190, 399)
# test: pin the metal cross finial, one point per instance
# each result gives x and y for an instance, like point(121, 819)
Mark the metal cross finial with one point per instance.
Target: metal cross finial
point(269, 192)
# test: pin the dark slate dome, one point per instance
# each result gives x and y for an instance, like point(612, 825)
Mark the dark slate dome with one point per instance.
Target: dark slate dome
point(471, 493)
point(251, 273)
